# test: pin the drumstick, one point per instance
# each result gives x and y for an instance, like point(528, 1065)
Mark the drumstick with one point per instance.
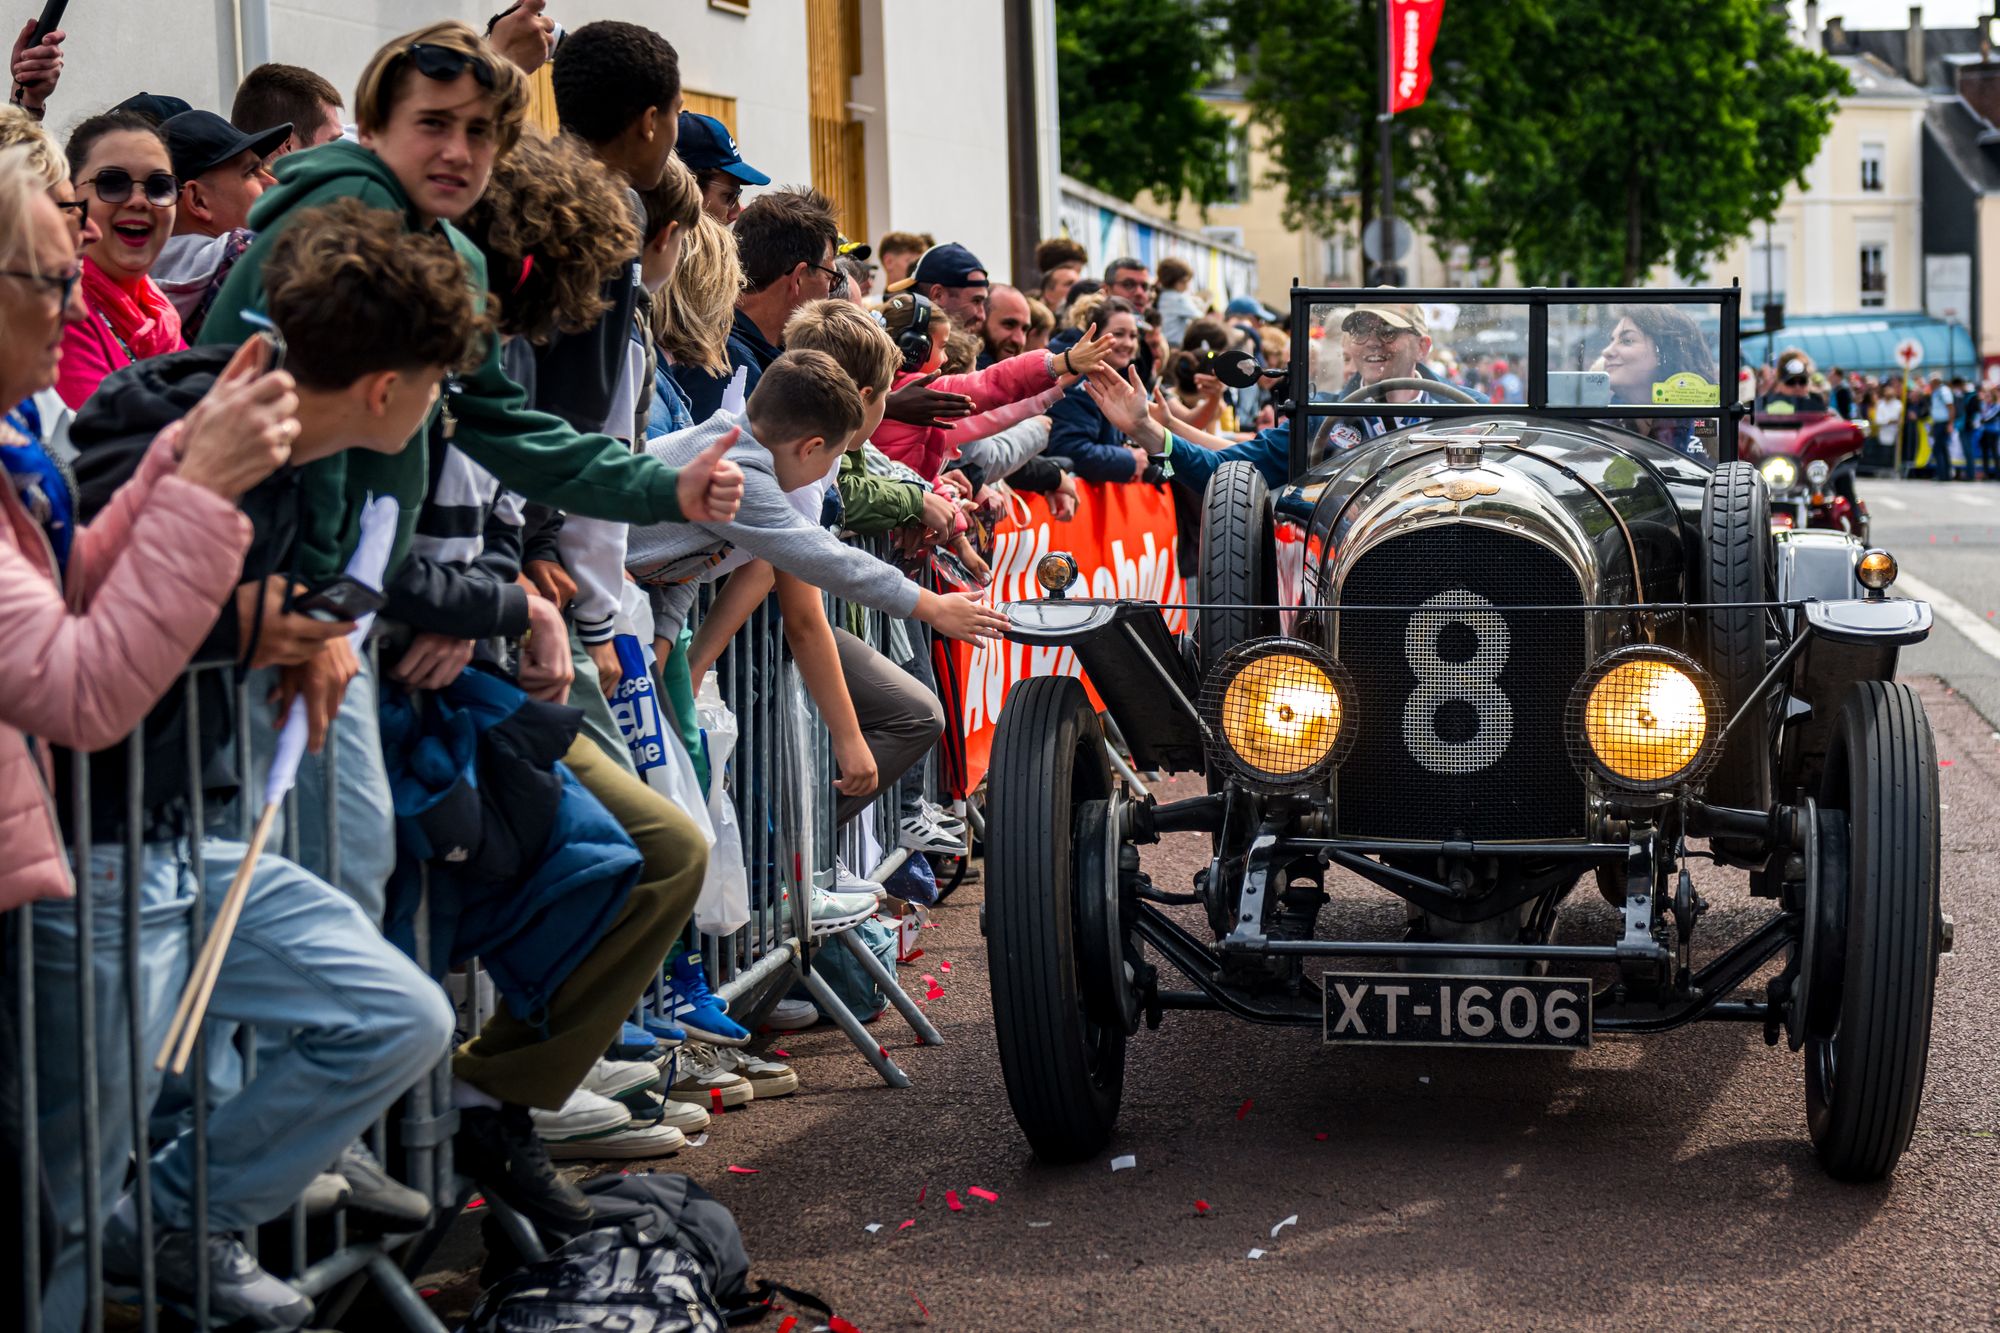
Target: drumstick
point(208, 964)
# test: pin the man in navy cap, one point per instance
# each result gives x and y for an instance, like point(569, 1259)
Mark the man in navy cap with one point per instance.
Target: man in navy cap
point(953, 278)
point(707, 149)
point(221, 171)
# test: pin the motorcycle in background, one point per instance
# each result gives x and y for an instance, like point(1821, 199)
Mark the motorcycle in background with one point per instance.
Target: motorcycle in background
point(1808, 461)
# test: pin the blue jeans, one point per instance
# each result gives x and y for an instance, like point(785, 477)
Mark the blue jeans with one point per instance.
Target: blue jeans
point(367, 818)
point(359, 1021)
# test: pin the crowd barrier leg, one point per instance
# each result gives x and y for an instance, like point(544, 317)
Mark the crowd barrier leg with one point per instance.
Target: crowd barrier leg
point(843, 1017)
point(920, 1024)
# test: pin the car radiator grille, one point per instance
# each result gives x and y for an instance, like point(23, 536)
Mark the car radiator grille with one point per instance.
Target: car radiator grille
point(1460, 700)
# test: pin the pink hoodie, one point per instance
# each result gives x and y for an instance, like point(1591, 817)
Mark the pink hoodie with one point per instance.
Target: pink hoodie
point(926, 448)
point(145, 582)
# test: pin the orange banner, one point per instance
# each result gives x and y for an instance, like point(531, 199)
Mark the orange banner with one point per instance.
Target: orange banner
point(1123, 539)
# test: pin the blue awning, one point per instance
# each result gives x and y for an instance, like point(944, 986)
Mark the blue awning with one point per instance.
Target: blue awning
point(1868, 343)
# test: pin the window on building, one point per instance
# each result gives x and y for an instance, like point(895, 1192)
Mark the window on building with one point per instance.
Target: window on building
point(1874, 276)
point(1770, 264)
point(1871, 167)
point(1236, 172)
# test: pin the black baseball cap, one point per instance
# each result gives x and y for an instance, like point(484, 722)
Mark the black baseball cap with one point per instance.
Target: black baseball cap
point(156, 107)
point(950, 264)
point(200, 141)
point(705, 144)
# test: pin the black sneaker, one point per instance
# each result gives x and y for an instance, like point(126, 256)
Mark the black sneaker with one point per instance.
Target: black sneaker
point(240, 1293)
point(501, 1151)
point(379, 1202)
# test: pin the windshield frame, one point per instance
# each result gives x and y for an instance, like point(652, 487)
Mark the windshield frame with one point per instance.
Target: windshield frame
point(1305, 414)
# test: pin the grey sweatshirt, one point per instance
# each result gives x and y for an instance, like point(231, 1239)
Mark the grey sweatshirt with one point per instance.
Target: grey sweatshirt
point(672, 558)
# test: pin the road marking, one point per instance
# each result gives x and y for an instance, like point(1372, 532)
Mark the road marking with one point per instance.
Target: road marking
point(1954, 613)
point(1887, 502)
point(1968, 498)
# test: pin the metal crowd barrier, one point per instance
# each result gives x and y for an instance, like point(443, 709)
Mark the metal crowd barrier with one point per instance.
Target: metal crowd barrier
point(781, 783)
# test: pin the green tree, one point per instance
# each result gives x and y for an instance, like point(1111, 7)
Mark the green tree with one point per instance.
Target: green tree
point(1589, 141)
point(1127, 75)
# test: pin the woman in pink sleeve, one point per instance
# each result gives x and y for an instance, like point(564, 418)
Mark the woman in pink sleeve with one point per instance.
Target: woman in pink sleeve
point(91, 638)
point(124, 177)
point(920, 328)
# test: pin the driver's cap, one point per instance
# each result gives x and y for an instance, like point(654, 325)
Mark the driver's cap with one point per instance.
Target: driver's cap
point(1402, 316)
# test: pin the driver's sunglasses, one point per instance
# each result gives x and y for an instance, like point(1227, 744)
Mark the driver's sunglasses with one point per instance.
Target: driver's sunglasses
point(1797, 382)
point(114, 186)
point(444, 64)
point(1368, 328)
point(62, 284)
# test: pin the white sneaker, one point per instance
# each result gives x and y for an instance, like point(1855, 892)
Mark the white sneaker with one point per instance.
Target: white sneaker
point(583, 1115)
point(634, 1141)
point(684, 1116)
point(846, 881)
point(918, 833)
point(944, 819)
point(835, 912)
point(767, 1078)
point(792, 1016)
point(701, 1077)
point(615, 1078)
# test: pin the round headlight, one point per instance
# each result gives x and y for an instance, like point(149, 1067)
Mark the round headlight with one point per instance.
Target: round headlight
point(1779, 472)
point(1817, 472)
point(1876, 569)
point(1645, 715)
point(1277, 712)
point(1055, 571)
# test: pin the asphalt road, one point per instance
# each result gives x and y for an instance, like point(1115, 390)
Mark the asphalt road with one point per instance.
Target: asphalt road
point(1947, 536)
point(1656, 1182)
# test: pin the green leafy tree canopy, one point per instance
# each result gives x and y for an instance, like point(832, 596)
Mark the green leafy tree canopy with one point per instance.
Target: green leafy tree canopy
point(1127, 75)
point(1589, 141)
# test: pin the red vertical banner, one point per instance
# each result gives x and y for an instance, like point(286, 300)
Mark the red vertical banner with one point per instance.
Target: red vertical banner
point(1413, 30)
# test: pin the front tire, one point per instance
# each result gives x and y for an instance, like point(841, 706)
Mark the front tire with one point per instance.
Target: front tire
point(1239, 563)
point(1736, 568)
point(1865, 1077)
point(1065, 1074)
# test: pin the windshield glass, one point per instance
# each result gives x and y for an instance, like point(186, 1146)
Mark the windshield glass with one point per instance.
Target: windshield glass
point(1373, 365)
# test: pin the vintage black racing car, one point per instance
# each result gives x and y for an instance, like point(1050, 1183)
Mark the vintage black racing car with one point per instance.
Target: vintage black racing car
point(1478, 655)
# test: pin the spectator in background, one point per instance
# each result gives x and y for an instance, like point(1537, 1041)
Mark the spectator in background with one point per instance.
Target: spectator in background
point(1243, 312)
point(690, 321)
point(1005, 332)
point(1061, 262)
point(221, 170)
point(898, 254)
point(709, 151)
point(288, 95)
point(1178, 306)
point(785, 241)
point(1058, 285)
point(122, 171)
point(1841, 393)
point(1130, 279)
point(955, 281)
point(1944, 443)
point(44, 418)
point(1041, 325)
point(1503, 383)
point(1079, 431)
point(858, 279)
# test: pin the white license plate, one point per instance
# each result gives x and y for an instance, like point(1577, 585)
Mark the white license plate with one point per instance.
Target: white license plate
point(1397, 1009)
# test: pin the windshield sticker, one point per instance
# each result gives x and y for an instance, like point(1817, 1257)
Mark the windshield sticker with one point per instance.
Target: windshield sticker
point(1686, 389)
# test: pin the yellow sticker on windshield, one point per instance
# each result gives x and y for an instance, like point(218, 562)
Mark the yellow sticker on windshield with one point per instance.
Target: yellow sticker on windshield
point(1686, 389)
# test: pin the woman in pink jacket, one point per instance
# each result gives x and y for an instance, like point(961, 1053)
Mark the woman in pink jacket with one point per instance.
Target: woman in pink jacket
point(90, 642)
point(1002, 394)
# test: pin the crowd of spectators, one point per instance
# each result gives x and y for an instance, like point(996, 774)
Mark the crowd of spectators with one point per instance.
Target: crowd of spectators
point(609, 396)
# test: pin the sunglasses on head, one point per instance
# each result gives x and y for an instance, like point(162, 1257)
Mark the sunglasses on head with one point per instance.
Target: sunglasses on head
point(114, 186)
point(444, 64)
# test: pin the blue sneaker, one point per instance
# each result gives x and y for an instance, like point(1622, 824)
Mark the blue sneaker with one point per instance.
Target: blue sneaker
point(693, 1006)
point(671, 1038)
point(634, 1043)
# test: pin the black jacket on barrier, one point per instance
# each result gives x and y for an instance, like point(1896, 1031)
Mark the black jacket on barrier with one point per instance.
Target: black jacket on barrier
point(111, 435)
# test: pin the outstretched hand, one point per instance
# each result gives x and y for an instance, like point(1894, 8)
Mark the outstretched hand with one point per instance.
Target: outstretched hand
point(523, 35)
point(1122, 399)
point(37, 69)
point(711, 487)
point(917, 404)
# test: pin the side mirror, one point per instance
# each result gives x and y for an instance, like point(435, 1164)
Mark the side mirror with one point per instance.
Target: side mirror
point(1238, 369)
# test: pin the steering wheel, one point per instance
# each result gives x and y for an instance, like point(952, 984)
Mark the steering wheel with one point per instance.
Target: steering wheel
point(1417, 382)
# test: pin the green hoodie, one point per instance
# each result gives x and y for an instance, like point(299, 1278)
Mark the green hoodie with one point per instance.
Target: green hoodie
point(532, 452)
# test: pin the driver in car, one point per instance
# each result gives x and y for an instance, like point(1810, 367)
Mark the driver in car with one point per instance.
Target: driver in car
point(1378, 342)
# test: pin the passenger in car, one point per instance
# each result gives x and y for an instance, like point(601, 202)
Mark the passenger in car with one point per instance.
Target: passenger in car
point(1650, 344)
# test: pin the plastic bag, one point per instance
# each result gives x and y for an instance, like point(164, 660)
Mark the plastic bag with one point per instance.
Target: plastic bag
point(656, 750)
point(724, 905)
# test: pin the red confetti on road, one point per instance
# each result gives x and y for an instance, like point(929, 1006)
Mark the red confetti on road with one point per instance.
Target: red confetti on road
point(945, 966)
point(921, 1306)
point(791, 1322)
point(1320, 1137)
point(1200, 1206)
point(839, 1325)
point(936, 992)
point(715, 1099)
point(1944, 763)
point(907, 1225)
point(736, 1170)
point(951, 1201)
point(987, 1195)
point(922, 1192)
point(1244, 1109)
point(782, 1055)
